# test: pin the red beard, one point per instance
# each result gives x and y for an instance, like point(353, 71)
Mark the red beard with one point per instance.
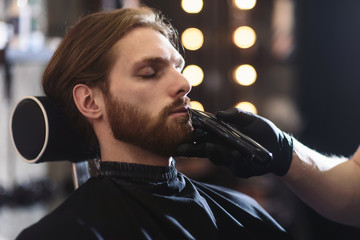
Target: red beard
point(130, 124)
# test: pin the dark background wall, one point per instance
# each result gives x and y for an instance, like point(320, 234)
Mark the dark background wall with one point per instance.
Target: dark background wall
point(328, 59)
point(329, 50)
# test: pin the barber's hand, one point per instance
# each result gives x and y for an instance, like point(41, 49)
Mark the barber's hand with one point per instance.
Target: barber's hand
point(259, 129)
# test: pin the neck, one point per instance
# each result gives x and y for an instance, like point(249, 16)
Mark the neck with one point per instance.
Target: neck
point(113, 150)
point(118, 151)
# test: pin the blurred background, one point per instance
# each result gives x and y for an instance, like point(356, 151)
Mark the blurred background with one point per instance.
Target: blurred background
point(292, 61)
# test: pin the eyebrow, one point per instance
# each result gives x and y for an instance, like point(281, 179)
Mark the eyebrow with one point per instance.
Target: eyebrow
point(179, 61)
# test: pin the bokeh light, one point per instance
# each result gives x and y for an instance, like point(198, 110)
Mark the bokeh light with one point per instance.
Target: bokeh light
point(196, 105)
point(247, 106)
point(192, 6)
point(244, 37)
point(192, 39)
point(245, 4)
point(194, 74)
point(245, 75)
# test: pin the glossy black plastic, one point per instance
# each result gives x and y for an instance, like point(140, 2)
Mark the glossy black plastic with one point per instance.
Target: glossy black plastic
point(209, 128)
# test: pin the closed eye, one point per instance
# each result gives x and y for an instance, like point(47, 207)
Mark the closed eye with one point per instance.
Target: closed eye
point(147, 72)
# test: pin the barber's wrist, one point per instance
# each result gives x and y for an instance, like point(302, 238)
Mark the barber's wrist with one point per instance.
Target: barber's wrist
point(299, 162)
point(282, 165)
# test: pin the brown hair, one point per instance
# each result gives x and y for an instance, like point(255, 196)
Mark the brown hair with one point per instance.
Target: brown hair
point(84, 56)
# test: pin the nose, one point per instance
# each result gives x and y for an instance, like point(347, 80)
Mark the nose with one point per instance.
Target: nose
point(181, 86)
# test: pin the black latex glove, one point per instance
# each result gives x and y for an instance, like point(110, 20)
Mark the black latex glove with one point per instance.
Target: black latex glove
point(259, 129)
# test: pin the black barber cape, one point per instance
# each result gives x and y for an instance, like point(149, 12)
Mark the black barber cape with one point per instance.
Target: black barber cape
point(132, 201)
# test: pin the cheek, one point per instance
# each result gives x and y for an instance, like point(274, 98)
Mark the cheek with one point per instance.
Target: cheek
point(143, 98)
point(148, 93)
point(149, 97)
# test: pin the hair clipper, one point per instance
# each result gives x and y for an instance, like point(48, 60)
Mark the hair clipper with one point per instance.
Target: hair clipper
point(209, 128)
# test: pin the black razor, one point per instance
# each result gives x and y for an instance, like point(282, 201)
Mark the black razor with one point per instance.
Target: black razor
point(209, 128)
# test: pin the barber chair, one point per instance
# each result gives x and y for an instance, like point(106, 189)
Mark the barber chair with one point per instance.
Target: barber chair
point(40, 133)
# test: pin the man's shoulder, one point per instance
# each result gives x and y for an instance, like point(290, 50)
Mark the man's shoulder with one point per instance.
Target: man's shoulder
point(67, 220)
point(241, 206)
point(224, 192)
point(231, 200)
point(51, 227)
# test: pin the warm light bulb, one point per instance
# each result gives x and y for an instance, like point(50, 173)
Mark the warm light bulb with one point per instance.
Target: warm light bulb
point(197, 105)
point(245, 4)
point(192, 39)
point(194, 74)
point(192, 6)
point(245, 75)
point(247, 106)
point(244, 37)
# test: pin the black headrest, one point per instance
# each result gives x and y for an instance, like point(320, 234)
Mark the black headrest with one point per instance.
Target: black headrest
point(40, 132)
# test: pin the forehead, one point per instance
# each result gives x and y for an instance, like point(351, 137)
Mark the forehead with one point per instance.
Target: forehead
point(145, 42)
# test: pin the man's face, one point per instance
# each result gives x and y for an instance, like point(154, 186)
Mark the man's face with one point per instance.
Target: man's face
point(147, 105)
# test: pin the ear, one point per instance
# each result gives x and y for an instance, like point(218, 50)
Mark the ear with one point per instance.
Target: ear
point(88, 100)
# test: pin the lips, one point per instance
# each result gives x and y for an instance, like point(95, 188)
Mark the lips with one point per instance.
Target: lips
point(180, 111)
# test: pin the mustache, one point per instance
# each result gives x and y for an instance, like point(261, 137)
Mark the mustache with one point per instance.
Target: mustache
point(180, 102)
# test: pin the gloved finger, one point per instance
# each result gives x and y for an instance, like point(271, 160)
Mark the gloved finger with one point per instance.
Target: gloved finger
point(245, 169)
point(219, 154)
point(192, 150)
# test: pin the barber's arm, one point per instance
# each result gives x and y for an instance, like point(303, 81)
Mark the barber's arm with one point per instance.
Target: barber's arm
point(331, 185)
